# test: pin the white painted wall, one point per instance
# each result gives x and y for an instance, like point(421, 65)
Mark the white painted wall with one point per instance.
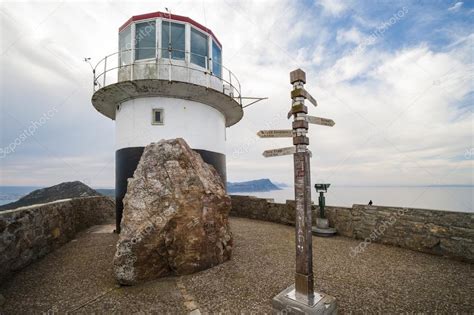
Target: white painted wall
point(202, 126)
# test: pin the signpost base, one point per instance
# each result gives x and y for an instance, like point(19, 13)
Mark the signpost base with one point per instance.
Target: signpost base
point(287, 302)
point(322, 228)
point(323, 232)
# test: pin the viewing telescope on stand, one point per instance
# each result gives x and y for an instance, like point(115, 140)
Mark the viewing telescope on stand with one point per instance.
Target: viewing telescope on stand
point(322, 224)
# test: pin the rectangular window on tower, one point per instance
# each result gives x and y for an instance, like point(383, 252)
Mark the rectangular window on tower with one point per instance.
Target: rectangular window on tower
point(157, 116)
point(199, 48)
point(216, 60)
point(172, 40)
point(145, 40)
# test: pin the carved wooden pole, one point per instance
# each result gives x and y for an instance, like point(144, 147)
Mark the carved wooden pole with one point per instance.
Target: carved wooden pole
point(304, 285)
point(300, 298)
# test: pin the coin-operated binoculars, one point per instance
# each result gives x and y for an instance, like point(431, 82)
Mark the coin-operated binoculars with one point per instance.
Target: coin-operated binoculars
point(322, 224)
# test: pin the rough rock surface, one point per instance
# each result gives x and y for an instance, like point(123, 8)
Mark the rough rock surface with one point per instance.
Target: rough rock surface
point(175, 218)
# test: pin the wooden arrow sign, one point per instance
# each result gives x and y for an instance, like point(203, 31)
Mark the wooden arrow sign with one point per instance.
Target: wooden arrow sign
point(320, 121)
point(282, 133)
point(311, 99)
point(303, 93)
point(279, 152)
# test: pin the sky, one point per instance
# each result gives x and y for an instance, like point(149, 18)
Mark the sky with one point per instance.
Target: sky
point(395, 76)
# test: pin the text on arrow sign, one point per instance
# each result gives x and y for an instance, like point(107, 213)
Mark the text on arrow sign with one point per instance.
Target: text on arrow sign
point(320, 121)
point(282, 133)
point(279, 152)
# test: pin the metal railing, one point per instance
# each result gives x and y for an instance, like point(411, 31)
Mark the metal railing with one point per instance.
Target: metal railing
point(109, 69)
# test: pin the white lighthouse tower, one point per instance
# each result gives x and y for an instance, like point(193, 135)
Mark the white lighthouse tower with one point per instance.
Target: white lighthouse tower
point(166, 81)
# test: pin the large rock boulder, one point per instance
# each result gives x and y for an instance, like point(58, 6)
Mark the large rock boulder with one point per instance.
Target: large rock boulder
point(175, 218)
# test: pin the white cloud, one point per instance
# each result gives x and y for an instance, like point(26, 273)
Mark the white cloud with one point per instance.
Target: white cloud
point(333, 7)
point(318, 55)
point(399, 124)
point(456, 6)
point(403, 114)
point(352, 35)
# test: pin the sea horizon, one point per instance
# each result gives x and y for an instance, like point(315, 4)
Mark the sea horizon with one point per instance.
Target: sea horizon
point(452, 197)
point(458, 199)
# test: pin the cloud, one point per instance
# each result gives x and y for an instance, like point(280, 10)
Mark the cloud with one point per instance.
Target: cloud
point(456, 6)
point(333, 7)
point(404, 114)
point(399, 107)
point(352, 35)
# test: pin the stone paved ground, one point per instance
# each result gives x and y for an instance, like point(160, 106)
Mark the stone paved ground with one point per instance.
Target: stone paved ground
point(78, 278)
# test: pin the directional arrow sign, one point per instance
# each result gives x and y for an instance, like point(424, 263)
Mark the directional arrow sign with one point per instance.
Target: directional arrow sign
point(282, 133)
point(311, 99)
point(303, 93)
point(320, 121)
point(279, 152)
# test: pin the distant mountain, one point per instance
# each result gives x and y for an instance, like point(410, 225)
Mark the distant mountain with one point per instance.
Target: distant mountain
point(252, 186)
point(61, 191)
point(282, 185)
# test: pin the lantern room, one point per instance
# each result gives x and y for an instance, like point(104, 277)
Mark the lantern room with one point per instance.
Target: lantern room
point(162, 35)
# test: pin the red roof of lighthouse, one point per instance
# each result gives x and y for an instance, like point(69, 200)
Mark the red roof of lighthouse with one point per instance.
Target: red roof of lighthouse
point(175, 17)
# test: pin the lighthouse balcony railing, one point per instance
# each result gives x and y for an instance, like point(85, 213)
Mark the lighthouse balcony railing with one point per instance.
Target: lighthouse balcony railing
point(168, 64)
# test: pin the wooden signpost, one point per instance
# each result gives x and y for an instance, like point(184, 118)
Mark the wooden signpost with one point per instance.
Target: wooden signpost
point(301, 296)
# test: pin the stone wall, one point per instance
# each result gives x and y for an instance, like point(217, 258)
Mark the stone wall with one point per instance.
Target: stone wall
point(444, 233)
point(29, 233)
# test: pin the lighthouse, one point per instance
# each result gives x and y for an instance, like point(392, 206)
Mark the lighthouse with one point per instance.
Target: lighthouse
point(166, 81)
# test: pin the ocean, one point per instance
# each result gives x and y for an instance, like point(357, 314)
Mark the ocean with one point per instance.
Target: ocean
point(450, 198)
point(13, 193)
point(439, 198)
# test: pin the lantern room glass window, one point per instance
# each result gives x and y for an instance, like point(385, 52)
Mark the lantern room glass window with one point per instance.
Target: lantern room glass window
point(125, 46)
point(173, 40)
point(145, 40)
point(216, 60)
point(199, 48)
